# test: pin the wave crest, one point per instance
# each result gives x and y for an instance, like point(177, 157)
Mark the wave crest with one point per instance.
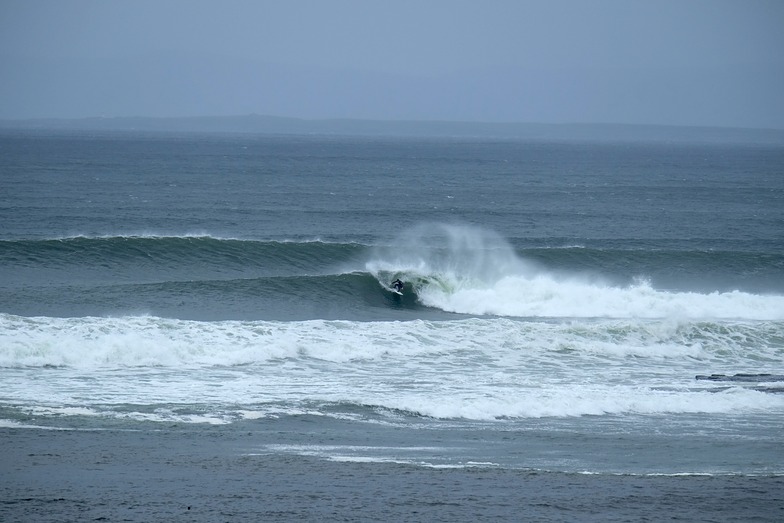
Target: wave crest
point(469, 270)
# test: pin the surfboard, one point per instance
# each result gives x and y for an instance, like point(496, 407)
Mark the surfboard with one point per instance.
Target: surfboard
point(392, 289)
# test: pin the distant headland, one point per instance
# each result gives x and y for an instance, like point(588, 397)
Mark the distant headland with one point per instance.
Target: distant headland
point(265, 124)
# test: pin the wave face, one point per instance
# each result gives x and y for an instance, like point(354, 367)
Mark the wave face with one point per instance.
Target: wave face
point(192, 277)
point(447, 269)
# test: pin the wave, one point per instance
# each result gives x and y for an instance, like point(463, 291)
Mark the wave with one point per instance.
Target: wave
point(448, 269)
point(469, 270)
point(174, 252)
point(459, 247)
point(396, 410)
point(148, 341)
point(147, 368)
point(428, 294)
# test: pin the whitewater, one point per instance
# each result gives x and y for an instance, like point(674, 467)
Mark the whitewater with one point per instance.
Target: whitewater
point(472, 271)
point(473, 368)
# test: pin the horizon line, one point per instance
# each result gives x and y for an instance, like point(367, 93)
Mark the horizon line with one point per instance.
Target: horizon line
point(339, 119)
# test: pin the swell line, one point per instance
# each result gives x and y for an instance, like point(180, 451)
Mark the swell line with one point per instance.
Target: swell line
point(172, 252)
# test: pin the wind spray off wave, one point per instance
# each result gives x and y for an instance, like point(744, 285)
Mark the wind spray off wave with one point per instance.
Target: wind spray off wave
point(469, 270)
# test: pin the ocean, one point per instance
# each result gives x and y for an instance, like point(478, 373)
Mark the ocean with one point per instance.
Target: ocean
point(199, 327)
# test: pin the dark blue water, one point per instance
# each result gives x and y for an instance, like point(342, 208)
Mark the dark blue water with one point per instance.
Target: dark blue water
point(198, 327)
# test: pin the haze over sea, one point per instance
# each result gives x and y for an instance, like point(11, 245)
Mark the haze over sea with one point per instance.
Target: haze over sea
point(197, 326)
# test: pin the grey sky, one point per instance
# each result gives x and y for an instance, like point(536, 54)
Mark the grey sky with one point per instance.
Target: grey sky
point(686, 62)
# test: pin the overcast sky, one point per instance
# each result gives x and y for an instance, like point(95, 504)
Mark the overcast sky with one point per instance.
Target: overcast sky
point(683, 62)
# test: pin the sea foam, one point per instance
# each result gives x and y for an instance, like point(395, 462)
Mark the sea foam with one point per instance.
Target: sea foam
point(152, 342)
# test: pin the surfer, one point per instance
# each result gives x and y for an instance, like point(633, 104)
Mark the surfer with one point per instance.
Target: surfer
point(398, 285)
